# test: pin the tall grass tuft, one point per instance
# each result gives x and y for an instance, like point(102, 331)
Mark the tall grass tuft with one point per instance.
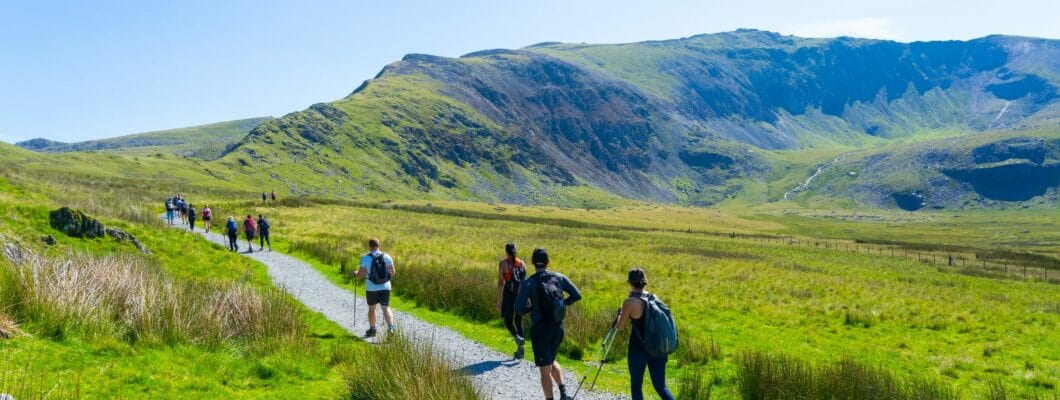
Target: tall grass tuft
point(121, 297)
point(398, 370)
point(29, 382)
point(694, 386)
point(766, 376)
point(8, 327)
point(467, 292)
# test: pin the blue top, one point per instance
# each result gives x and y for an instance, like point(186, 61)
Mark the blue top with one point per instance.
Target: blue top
point(531, 284)
point(231, 226)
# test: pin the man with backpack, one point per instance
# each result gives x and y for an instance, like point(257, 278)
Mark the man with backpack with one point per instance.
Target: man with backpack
point(191, 217)
point(378, 268)
point(273, 195)
point(654, 336)
point(545, 293)
point(511, 272)
point(233, 234)
point(170, 210)
point(263, 197)
point(263, 232)
point(249, 228)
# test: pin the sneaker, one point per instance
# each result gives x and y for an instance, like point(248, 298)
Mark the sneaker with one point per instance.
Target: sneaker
point(519, 353)
point(370, 333)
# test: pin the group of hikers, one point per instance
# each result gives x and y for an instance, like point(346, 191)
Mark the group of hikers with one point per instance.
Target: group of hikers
point(179, 210)
point(545, 295)
point(251, 229)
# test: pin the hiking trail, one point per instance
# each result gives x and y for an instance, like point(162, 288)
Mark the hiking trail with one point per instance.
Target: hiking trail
point(498, 375)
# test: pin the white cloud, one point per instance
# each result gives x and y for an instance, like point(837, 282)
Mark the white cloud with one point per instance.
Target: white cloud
point(870, 27)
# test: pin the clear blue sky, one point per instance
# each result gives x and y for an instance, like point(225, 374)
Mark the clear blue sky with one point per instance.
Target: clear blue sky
point(74, 72)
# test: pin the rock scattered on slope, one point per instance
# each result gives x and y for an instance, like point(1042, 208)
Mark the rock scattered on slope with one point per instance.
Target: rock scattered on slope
point(123, 236)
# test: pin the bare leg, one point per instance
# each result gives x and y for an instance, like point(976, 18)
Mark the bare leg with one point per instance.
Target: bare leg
point(371, 316)
point(388, 315)
point(557, 373)
point(546, 380)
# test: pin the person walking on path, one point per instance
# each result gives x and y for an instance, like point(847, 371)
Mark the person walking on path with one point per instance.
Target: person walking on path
point(170, 210)
point(637, 357)
point(511, 271)
point(273, 195)
point(233, 234)
point(263, 232)
point(264, 198)
point(378, 268)
point(191, 217)
point(249, 228)
point(207, 215)
point(545, 293)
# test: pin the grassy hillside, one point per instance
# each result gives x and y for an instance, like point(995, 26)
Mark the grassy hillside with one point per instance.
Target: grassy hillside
point(95, 318)
point(205, 142)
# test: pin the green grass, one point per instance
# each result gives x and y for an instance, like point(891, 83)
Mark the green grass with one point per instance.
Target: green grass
point(732, 295)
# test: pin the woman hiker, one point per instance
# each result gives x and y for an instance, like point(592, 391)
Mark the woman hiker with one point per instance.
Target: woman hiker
point(637, 357)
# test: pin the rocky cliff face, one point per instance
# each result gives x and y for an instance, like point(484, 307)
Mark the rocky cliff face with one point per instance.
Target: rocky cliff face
point(676, 120)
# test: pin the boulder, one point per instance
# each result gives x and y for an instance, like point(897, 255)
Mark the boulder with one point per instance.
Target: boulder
point(48, 240)
point(123, 236)
point(75, 223)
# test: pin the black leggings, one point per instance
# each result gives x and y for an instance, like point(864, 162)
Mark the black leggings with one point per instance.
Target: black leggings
point(232, 245)
point(513, 323)
point(638, 360)
point(264, 238)
point(191, 223)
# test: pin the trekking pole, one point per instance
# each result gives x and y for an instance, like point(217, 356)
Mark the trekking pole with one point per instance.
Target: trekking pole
point(605, 349)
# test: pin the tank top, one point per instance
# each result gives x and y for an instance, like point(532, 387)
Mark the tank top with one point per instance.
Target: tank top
point(638, 323)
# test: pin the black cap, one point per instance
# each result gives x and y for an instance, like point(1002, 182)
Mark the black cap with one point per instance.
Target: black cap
point(540, 258)
point(509, 248)
point(637, 276)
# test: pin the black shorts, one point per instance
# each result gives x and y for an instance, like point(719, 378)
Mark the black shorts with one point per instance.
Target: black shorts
point(378, 297)
point(206, 219)
point(545, 339)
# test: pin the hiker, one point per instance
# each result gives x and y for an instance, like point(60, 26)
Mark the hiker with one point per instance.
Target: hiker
point(378, 268)
point(273, 195)
point(264, 198)
point(263, 232)
point(633, 309)
point(184, 210)
point(169, 210)
point(191, 217)
point(233, 234)
point(207, 214)
point(511, 271)
point(249, 229)
point(544, 291)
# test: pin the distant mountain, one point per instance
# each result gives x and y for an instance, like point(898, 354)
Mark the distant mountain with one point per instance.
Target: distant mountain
point(691, 120)
point(205, 142)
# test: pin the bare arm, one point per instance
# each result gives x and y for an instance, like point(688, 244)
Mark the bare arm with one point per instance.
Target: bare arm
point(626, 312)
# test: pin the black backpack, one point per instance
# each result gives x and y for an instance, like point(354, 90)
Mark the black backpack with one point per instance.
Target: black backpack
point(380, 272)
point(518, 275)
point(549, 301)
point(264, 225)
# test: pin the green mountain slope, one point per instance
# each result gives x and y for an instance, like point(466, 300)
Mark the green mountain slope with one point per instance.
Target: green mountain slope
point(690, 120)
point(205, 142)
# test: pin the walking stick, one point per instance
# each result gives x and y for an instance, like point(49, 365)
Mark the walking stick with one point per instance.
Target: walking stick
point(605, 349)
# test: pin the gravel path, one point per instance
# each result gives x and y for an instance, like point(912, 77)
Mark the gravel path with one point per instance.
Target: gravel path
point(498, 375)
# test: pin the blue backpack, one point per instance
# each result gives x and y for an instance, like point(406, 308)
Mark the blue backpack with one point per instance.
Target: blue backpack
point(660, 331)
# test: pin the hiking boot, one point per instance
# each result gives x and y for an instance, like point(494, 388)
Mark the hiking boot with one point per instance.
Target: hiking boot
point(370, 333)
point(520, 352)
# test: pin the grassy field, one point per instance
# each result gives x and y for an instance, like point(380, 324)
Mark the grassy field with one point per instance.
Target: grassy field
point(95, 318)
point(732, 297)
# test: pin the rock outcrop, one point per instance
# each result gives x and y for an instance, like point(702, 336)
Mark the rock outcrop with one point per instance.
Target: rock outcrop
point(75, 223)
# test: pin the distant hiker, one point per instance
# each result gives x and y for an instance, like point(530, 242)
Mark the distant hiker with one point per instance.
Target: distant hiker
point(170, 209)
point(207, 215)
point(511, 272)
point(184, 210)
point(264, 197)
point(249, 228)
point(191, 217)
point(273, 195)
point(233, 234)
point(545, 293)
point(645, 348)
point(263, 232)
point(378, 268)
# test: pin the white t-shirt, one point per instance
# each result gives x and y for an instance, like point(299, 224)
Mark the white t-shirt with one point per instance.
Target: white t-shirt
point(366, 265)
